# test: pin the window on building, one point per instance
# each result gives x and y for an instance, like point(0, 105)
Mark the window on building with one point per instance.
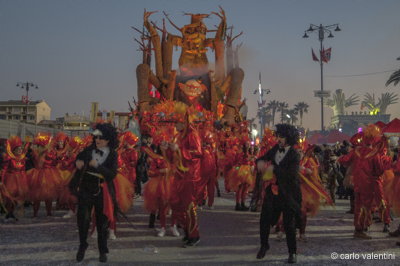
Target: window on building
point(3, 117)
point(17, 117)
point(9, 117)
point(31, 117)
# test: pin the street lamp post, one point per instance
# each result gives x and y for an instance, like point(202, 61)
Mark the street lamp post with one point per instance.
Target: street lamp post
point(321, 30)
point(26, 86)
point(261, 103)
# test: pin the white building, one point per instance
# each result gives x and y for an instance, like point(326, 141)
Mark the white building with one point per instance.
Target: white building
point(32, 112)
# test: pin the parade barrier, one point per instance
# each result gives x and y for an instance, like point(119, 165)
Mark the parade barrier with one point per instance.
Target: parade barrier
point(15, 128)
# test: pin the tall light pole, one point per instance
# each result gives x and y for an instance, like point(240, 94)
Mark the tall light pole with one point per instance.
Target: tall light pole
point(322, 30)
point(261, 102)
point(26, 86)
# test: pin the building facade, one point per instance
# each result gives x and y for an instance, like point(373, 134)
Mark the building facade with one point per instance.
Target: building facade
point(32, 112)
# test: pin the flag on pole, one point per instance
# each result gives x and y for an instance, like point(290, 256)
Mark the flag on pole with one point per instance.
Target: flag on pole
point(314, 57)
point(326, 55)
point(25, 99)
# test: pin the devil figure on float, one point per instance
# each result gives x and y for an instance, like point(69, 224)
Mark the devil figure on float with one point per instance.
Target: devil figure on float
point(195, 84)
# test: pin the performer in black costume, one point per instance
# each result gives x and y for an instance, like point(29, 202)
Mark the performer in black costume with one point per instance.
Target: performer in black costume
point(285, 160)
point(96, 167)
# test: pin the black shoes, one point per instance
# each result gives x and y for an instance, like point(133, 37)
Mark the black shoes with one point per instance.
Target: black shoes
point(81, 253)
point(263, 250)
point(292, 258)
point(385, 228)
point(10, 217)
point(244, 207)
point(152, 220)
point(241, 207)
point(237, 207)
point(103, 257)
point(191, 242)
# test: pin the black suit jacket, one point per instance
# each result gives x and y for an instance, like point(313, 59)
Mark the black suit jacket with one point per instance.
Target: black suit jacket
point(87, 184)
point(287, 176)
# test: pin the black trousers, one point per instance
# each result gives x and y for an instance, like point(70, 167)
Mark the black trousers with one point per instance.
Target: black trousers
point(86, 202)
point(272, 208)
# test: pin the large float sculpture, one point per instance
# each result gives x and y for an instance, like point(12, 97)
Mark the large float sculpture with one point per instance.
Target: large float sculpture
point(195, 84)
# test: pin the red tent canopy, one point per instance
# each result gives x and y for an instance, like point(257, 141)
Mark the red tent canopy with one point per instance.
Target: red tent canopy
point(380, 124)
point(317, 138)
point(336, 136)
point(392, 127)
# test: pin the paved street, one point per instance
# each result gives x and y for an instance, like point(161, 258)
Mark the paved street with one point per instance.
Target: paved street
point(227, 238)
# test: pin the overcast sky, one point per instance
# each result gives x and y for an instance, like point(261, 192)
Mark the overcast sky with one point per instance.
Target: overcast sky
point(78, 52)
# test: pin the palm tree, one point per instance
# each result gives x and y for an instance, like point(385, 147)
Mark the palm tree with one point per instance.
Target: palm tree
point(292, 115)
point(282, 106)
point(395, 78)
point(266, 111)
point(273, 106)
point(302, 108)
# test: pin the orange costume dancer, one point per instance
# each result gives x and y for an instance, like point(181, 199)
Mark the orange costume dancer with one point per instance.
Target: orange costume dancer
point(13, 179)
point(240, 177)
point(312, 189)
point(64, 162)
point(268, 141)
point(124, 192)
point(392, 189)
point(123, 187)
point(187, 174)
point(367, 166)
point(44, 179)
point(129, 155)
point(158, 189)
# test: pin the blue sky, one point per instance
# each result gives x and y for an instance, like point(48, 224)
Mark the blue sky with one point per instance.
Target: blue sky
point(78, 52)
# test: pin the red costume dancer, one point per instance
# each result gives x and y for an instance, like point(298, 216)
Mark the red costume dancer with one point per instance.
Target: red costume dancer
point(13, 180)
point(206, 187)
point(187, 173)
point(367, 166)
point(240, 177)
point(45, 178)
point(232, 148)
point(66, 164)
point(380, 199)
